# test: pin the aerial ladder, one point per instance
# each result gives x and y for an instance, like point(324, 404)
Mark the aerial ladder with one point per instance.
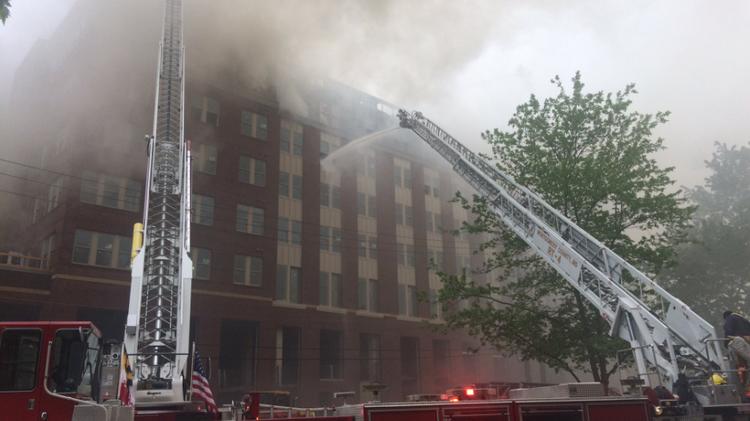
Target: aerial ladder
point(158, 320)
point(667, 338)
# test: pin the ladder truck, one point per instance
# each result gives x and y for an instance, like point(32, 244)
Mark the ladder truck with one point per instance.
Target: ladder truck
point(61, 371)
point(667, 338)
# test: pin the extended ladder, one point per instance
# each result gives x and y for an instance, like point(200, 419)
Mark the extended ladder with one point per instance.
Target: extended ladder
point(159, 310)
point(664, 332)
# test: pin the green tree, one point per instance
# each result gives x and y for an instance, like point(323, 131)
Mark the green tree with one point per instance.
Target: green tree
point(590, 156)
point(4, 10)
point(713, 269)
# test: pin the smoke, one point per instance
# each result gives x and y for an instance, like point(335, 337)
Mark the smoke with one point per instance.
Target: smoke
point(399, 50)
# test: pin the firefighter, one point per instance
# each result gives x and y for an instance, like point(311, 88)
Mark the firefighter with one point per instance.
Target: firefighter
point(737, 331)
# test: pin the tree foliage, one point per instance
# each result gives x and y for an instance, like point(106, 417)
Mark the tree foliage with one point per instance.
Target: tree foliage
point(713, 269)
point(4, 10)
point(590, 156)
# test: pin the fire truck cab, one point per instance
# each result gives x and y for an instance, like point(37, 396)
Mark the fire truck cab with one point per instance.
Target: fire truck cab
point(44, 363)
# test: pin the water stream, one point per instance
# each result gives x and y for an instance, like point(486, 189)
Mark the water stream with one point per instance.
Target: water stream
point(352, 147)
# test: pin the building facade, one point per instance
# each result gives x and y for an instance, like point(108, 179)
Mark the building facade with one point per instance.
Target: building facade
point(309, 278)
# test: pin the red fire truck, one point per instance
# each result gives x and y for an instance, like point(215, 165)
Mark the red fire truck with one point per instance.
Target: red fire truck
point(61, 371)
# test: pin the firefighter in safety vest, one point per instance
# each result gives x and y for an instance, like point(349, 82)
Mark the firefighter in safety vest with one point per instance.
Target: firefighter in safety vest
point(737, 331)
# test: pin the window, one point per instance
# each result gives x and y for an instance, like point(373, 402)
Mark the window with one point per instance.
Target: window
point(288, 279)
point(296, 232)
point(405, 254)
point(292, 137)
point(48, 248)
point(330, 196)
point(366, 205)
point(404, 215)
point(110, 191)
point(435, 258)
point(253, 125)
point(289, 231)
point(252, 171)
point(430, 185)
point(248, 270)
point(369, 356)
point(19, 353)
point(435, 310)
point(402, 177)
point(201, 263)
point(287, 355)
point(463, 262)
point(407, 300)
point(431, 221)
point(250, 219)
point(284, 184)
point(330, 239)
point(367, 294)
point(368, 246)
point(366, 166)
point(206, 110)
point(53, 194)
point(330, 354)
point(202, 209)
point(238, 351)
point(329, 293)
point(99, 249)
point(204, 158)
point(297, 187)
point(283, 230)
point(328, 144)
point(73, 359)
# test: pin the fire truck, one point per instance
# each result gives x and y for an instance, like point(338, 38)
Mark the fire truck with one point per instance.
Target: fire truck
point(61, 371)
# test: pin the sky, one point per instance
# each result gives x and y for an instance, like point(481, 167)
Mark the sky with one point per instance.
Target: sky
point(467, 65)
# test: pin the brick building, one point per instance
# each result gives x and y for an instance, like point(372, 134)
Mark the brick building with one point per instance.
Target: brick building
point(306, 277)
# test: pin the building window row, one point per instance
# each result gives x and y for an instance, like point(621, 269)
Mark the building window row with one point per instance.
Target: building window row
point(100, 249)
point(110, 191)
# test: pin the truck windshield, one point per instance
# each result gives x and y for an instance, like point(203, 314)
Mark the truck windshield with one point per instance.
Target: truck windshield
point(74, 361)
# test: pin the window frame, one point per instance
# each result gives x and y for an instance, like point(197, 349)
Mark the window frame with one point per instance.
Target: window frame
point(249, 223)
point(117, 252)
point(35, 375)
point(194, 255)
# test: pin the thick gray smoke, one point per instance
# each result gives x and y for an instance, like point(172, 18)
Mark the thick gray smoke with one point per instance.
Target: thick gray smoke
point(398, 49)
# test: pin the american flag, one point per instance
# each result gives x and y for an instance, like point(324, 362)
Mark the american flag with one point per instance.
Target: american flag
point(201, 388)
